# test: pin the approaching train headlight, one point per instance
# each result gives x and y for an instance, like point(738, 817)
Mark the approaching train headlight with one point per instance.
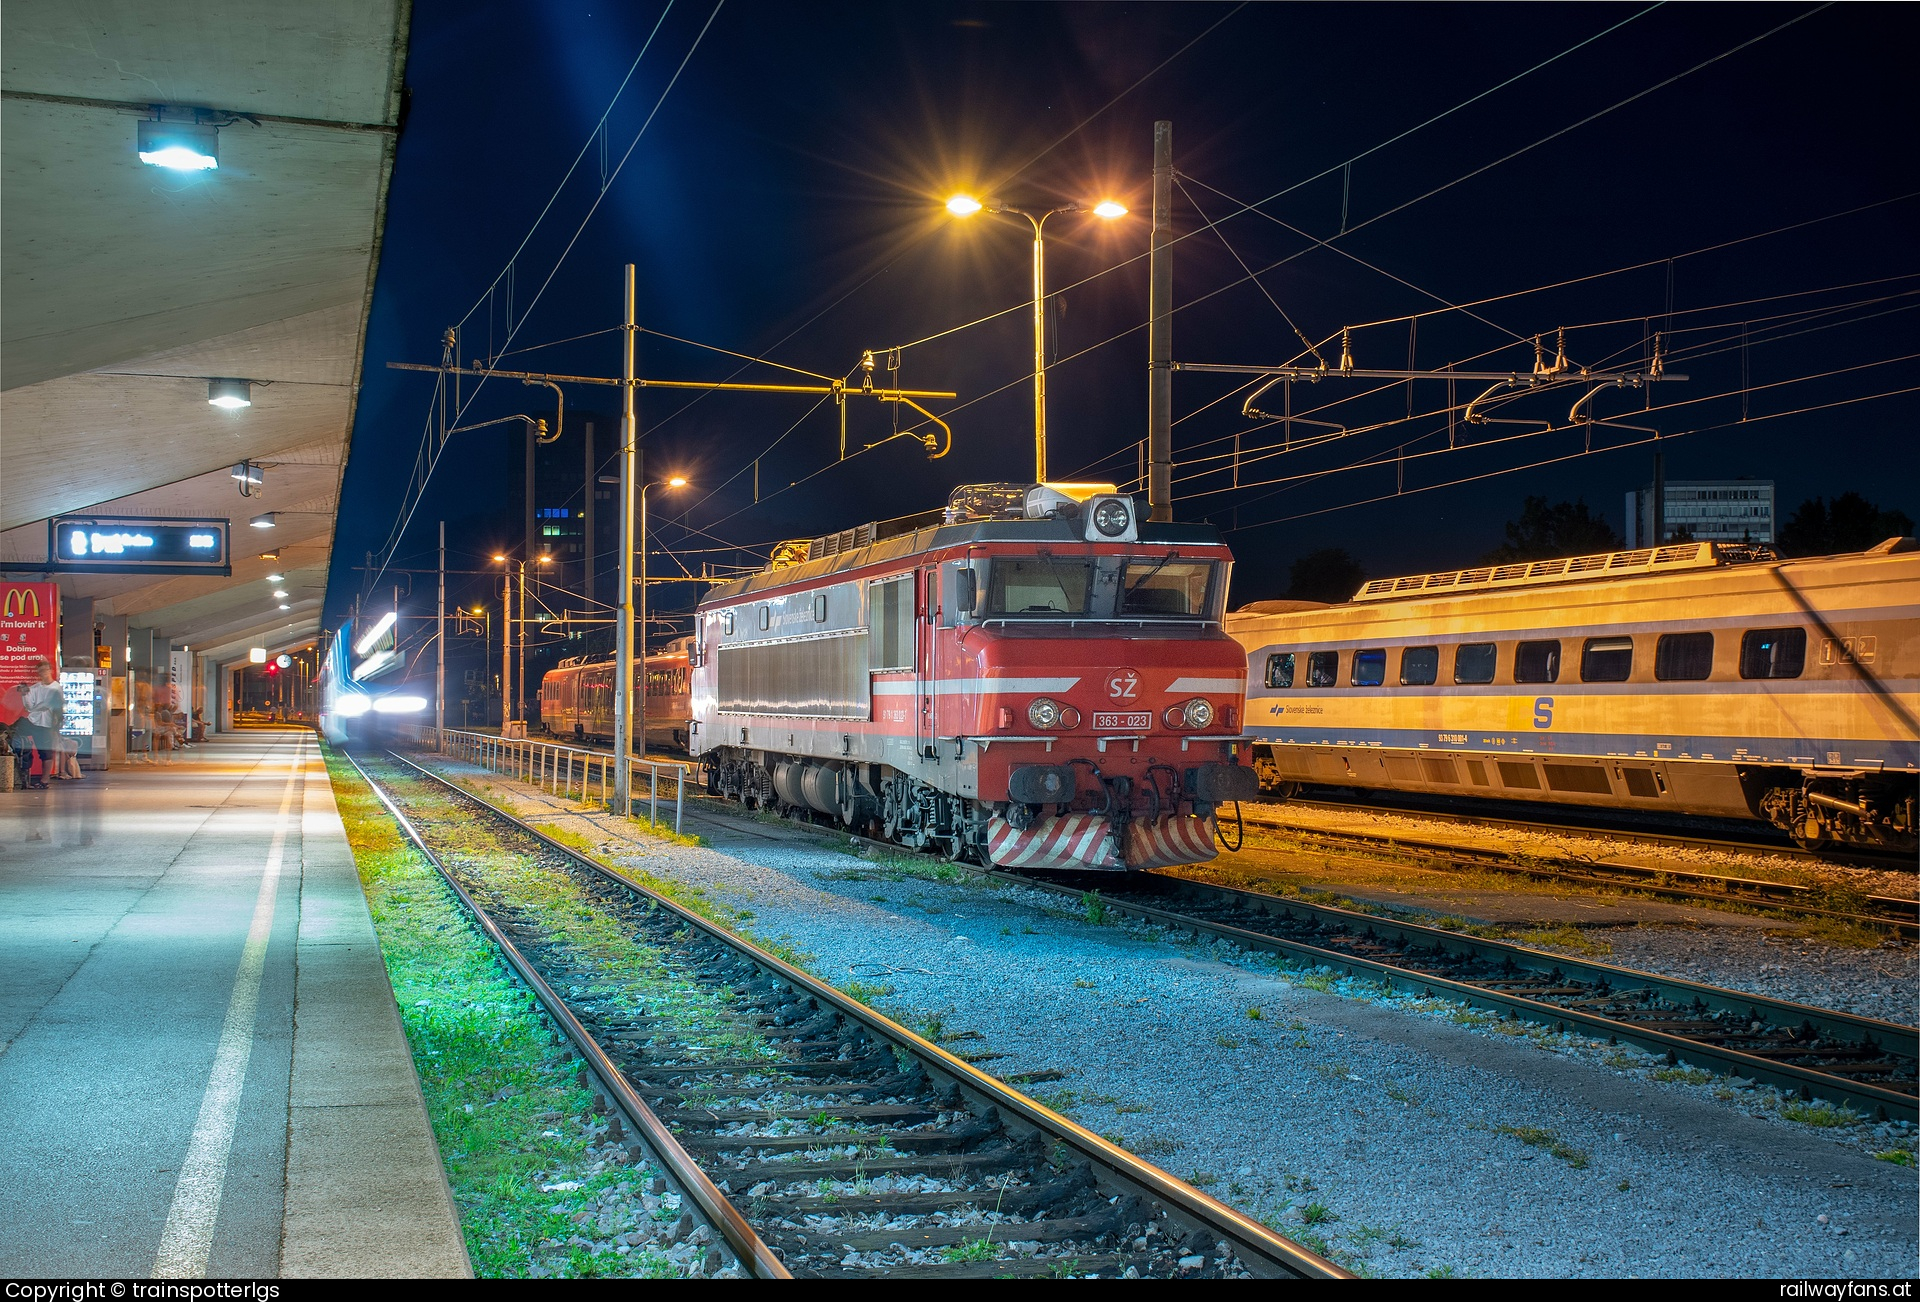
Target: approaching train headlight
point(1044, 713)
point(1111, 517)
point(352, 706)
point(1197, 713)
point(400, 704)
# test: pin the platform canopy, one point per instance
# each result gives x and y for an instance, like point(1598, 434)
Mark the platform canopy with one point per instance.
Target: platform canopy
point(126, 288)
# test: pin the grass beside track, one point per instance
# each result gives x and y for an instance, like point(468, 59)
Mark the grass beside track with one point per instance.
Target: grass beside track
point(510, 1121)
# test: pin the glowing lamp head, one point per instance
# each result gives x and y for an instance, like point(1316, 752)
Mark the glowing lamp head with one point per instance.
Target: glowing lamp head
point(230, 395)
point(1109, 210)
point(179, 146)
point(265, 520)
point(276, 578)
point(279, 593)
point(498, 557)
point(678, 481)
point(964, 205)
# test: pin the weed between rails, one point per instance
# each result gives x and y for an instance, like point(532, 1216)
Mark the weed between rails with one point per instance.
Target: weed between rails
point(502, 1100)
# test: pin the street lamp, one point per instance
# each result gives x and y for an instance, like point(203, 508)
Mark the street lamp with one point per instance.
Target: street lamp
point(964, 205)
point(672, 481)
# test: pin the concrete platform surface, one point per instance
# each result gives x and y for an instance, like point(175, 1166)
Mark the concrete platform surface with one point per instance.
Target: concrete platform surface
point(202, 1071)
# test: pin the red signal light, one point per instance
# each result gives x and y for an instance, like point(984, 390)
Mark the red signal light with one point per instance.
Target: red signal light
point(273, 670)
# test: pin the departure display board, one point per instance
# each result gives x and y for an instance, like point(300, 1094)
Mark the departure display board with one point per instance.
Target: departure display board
point(119, 544)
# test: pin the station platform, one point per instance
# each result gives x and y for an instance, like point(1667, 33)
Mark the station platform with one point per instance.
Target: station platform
point(202, 1071)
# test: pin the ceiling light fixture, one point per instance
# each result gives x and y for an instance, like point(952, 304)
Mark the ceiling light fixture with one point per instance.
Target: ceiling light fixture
point(285, 606)
point(264, 520)
point(276, 578)
point(230, 395)
point(182, 146)
point(279, 592)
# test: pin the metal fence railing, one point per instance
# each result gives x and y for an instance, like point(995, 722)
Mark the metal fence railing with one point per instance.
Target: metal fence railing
point(568, 771)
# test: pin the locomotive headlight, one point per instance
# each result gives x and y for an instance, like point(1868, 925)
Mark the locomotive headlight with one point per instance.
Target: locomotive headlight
point(1044, 713)
point(1111, 517)
point(1197, 713)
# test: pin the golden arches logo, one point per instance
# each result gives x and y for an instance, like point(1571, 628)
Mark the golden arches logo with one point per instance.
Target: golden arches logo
point(18, 602)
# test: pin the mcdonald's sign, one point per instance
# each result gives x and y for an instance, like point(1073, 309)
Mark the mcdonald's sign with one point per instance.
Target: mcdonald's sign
point(29, 628)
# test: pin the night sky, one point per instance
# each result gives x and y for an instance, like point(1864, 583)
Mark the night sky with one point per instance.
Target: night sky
point(785, 200)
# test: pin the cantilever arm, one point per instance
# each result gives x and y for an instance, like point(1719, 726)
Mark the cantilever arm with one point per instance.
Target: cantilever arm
point(559, 411)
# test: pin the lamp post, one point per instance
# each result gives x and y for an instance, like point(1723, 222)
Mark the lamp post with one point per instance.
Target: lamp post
point(640, 727)
point(507, 641)
point(962, 205)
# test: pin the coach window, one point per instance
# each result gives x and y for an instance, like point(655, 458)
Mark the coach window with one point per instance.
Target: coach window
point(1773, 653)
point(1474, 662)
point(1370, 667)
point(1536, 662)
point(1419, 666)
point(1606, 660)
point(726, 623)
point(1323, 669)
point(1683, 657)
point(766, 618)
point(1280, 670)
point(819, 607)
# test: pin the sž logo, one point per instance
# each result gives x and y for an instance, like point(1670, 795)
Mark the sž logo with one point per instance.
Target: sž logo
point(1123, 685)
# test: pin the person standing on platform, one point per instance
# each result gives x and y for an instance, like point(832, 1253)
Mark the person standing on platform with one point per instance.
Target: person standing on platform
point(66, 750)
point(42, 698)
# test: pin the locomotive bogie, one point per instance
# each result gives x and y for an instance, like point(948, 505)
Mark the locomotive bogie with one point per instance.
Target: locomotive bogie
point(1779, 691)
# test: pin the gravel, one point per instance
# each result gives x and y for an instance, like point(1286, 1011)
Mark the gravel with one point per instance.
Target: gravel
point(1406, 1136)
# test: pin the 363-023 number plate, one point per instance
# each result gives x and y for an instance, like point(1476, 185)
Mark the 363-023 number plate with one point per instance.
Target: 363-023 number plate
point(1131, 722)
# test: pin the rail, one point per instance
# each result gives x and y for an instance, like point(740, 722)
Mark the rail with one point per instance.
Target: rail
point(562, 769)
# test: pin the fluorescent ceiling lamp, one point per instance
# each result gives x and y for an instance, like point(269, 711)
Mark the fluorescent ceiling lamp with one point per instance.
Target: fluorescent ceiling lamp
point(182, 146)
point(276, 578)
point(232, 395)
point(400, 704)
point(372, 635)
point(264, 521)
point(258, 655)
point(279, 593)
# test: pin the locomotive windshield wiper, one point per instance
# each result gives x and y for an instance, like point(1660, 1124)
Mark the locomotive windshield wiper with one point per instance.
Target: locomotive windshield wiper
point(1158, 565)
point(1059, 582)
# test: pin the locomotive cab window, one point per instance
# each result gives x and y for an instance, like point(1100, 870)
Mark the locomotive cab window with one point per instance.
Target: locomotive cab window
point(1773, 653)
point(1280, 670)
point(1419, 666)
point(1474, 662)
point(1606, 660)
point(1683, 657)
point(1537, 662)
point(1165, 586)
point(1038, 587)
point(726, 623)
point(1370, 667)
point(1323, 669)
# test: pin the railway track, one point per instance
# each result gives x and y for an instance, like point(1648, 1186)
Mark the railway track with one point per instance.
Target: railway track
point(1887, 913)
point(1615, 825)
point(1859, 1063)
point(827, 1141)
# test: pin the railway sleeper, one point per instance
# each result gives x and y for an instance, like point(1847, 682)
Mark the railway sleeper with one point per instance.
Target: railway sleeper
point(1097, 1226)
point(1003, 1157)
point(906, 1114)
point(1085, 1265)
point(1012, 1200)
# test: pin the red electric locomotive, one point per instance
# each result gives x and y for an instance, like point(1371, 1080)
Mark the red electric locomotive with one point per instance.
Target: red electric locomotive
point(1034, 678)
point(576, 699)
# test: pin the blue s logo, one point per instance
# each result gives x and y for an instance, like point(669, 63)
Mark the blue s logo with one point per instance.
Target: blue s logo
point(1543, 711)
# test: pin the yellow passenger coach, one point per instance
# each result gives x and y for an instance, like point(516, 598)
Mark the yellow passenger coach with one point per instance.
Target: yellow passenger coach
point(1696, 678)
